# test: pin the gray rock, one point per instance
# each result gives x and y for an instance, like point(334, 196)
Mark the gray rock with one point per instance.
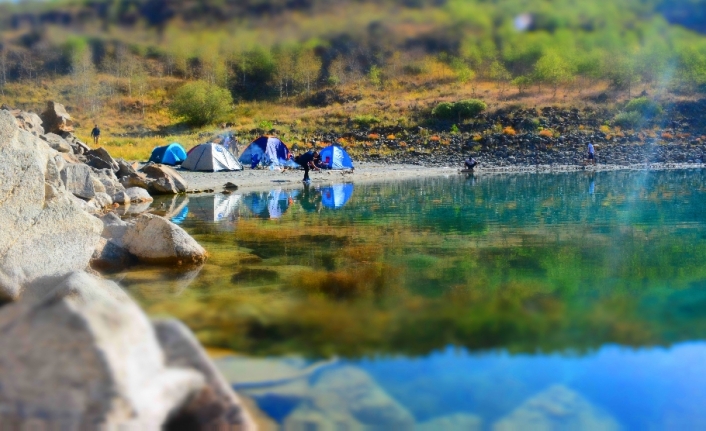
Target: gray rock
point(100, 159)
point(109, 180)
point(79, 180)
point(154, 239)
point(45, 231)
point(163, 179)
point(103, 200)
point(78, 352)
point(124, 168)
point(56, 119)
point(217, 406)
point(132, 195)
point(557, 408)
point(56, 142)
point(137, 179)
point(29, 121)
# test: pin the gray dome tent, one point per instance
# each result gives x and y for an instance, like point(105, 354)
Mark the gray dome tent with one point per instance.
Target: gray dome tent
point(211, 157)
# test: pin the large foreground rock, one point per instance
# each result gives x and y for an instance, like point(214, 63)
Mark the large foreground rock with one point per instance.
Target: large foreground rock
point(154, 239)
point(56, 142)
point(216, 406)
point(77, 353)
point(56, 119)
point(44, 231)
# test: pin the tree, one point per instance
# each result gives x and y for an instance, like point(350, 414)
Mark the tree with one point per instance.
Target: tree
point(553, 70)
point(308, 68)
point(620, 70)
point(3, 69)
point(522, 83)
point(199, 103)
point(375, 76)
point(500, 75)
point(285, 68)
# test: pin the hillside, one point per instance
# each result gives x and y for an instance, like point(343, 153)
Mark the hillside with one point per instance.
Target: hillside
point(308, 68)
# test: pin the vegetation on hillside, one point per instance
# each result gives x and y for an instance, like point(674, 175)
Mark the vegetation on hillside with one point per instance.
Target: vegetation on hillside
point(301, 65)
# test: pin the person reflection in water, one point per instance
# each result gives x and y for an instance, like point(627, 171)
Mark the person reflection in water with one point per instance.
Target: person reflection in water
point(591, 185)
point(310, 199)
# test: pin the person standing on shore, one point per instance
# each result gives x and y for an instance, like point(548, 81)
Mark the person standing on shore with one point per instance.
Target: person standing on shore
point(95, 134)
point(591, 153)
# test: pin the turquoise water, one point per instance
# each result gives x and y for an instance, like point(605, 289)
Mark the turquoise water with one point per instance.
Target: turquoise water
point(573, 300)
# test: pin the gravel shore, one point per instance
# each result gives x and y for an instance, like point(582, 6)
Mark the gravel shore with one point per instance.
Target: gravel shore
point(265, 179)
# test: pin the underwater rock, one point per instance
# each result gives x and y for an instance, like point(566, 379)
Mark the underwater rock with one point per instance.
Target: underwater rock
point(79, 353)
point(455, 422)
point(557, 408)
point(348, 396)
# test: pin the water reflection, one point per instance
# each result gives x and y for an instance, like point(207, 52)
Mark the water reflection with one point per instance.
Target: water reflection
point(481, 300)
point(215, 208)
point(336, 196)
point(269, 205)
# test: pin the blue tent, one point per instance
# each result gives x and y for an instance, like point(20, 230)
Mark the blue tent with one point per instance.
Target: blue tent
point(337, 195)
point(266, 151)
point(335, 157)
point(172, 154)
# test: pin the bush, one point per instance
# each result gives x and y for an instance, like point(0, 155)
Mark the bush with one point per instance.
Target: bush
point(462, 109)
point(469, 108)
point(199, 103)
point(627, 120)
point(644, 106)
point(443, 110)
point(365, 120)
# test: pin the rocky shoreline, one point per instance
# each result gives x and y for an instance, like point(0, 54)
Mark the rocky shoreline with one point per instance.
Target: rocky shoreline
point(77, 352)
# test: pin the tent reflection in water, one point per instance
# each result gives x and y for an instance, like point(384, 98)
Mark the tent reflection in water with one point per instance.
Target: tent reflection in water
point(211, 158)
point(215, 208)
point(337, 195)
point(270, 205)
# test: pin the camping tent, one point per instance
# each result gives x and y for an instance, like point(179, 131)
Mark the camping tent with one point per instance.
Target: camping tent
point(337, 195)
point(266, 151)
point(172, 154)
point(335, 157)
point(211, 157)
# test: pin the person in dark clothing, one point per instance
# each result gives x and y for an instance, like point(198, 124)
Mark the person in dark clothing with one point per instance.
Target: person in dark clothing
point(308, 161)
point(95, 134)
point(471, 163)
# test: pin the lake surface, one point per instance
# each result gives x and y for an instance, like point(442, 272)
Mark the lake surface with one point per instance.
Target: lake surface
point(573, 300)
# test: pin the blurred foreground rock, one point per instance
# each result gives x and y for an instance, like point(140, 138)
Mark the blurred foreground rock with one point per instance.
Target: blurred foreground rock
point(77, 353)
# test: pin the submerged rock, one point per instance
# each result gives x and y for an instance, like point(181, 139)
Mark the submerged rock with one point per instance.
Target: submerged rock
point(557, 408)
point(80, 353)
point(154, 239)
point(45, 231)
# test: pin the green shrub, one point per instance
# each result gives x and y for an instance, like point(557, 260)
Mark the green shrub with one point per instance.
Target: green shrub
point(644, 106)
point(628, 120)
point(443, 110)
point(469, 108)
point(199, 103)
point(459, 110)
point(365, 120)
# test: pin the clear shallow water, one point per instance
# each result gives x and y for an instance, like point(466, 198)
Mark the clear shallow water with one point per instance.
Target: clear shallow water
point(573, 299)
